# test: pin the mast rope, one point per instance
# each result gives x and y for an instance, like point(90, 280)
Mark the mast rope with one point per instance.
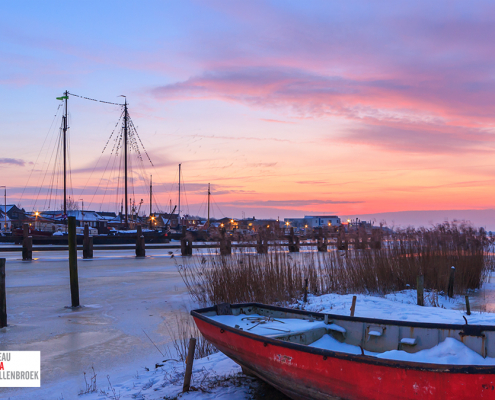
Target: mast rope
point(42, 146)
point(99, 101)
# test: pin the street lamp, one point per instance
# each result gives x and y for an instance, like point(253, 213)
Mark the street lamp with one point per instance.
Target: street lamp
point(36, 220)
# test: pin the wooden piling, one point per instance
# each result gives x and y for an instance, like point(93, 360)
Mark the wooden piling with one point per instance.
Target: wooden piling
point(420, 286)
point(322, 243)
point(353, 305)
point(189, 365)
point(185, 243)
point(27, 244)
point(261, 244)
point(225, 244)
point(450, 288)
point(140, 245)
point(87, 244)
point(342, 240)
point(294, 242)
point(305, 299)
point(468, 307)
point(74, 279)
point(376, 239)
point(3, 295)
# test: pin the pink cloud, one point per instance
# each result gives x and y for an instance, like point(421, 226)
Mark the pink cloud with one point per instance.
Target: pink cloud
point(392, 114)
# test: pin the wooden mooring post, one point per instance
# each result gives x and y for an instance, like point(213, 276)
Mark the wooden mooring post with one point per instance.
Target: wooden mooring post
point(342, 240)
point(450, 288)
point(468, 307)
point(140, 245)
point(74, 279)
point(305, 298)
point(87, 244)
point(321, 242)
point(294, 242)
point(27, 244)
point(376, 239)
point(353, 305)
point(420, 287)
point(261, 243)
point(189, 365)
point(225, 244)
point(185, 243)
point(3, 295)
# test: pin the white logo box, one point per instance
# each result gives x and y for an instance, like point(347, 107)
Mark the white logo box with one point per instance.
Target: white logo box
point(20, 368)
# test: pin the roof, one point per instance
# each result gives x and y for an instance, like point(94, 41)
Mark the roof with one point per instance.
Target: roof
point(9, 207)
point(3, 215)
point(321, 216)
point(79, 214)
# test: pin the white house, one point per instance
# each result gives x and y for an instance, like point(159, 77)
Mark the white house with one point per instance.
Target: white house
point(5, 220)
point(313, 221)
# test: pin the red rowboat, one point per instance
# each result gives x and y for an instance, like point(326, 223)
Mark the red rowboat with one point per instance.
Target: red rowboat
point(280, 346)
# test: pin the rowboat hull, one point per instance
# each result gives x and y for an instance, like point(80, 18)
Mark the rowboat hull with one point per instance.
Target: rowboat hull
point(303, 372)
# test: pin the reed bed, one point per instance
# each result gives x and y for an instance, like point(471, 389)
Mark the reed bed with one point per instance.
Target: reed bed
point(278, 277)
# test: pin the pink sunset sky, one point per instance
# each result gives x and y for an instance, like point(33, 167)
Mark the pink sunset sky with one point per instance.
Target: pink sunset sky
point(288, 108)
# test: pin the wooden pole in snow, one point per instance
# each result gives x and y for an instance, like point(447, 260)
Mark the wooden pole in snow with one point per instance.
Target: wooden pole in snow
point(3, 295)
point(189, 365)
point(74, 279)
point(420, 286)
point(450, 289)
point(468, 307)
point(353, 306)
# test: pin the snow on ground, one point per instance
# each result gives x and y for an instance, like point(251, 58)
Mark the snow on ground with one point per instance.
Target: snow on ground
point(214, 377)
point(399, 306)
point(217, 377)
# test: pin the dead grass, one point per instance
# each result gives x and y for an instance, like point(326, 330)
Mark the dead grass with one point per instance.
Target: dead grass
point(181, 330)
point(278, 277)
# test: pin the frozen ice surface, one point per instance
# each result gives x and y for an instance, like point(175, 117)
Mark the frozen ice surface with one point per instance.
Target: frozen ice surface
point(120, 295)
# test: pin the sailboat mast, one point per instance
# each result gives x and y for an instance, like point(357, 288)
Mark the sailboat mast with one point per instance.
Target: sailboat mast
point(151, 201)
point(178, 211)
point(125, 163)
point(66, 98)
point(209, 193)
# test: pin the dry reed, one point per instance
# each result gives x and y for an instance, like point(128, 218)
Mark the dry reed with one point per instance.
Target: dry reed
point(278, 276)
point(180, 332)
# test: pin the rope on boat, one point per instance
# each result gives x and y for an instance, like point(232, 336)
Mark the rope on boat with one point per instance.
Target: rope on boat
point(263, 320)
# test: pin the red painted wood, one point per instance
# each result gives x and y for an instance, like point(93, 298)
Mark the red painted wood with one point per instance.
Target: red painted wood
point(310, 376)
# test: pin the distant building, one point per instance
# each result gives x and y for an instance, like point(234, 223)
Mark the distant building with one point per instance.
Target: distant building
point(313, 221)
point(16, 215)
point(254, 225)
point(164, 219)
point(91, 218)
point(6, 226)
